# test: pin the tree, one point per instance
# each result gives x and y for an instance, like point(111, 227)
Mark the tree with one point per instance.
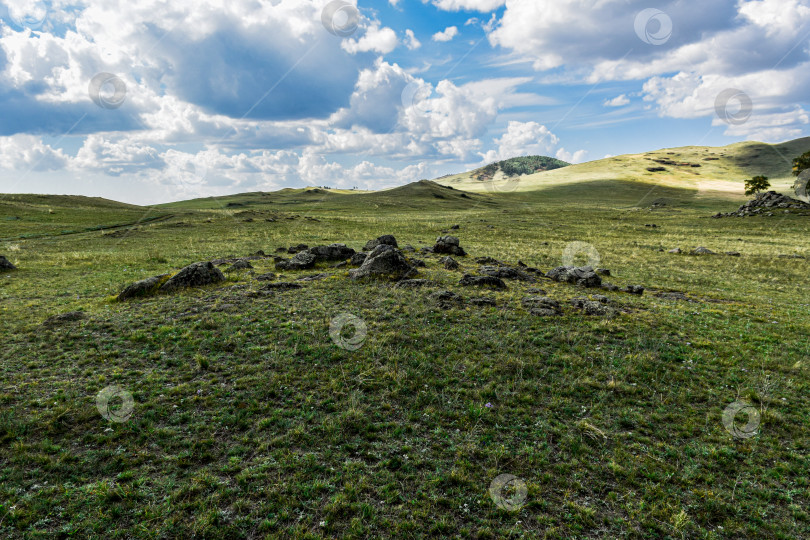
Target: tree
point(801, 163)
point(756, 184)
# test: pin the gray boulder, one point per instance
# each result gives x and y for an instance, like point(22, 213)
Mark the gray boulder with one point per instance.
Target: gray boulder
point(241, 264)
point(591, 307)
point(542, 306)
point(385, 262)
point(358, 258)
point(194, 275)
point(702, 251)
point(384, 240)
point(5, 264)
point(482, 281)
point(583, 276)
point(448, 245)
point(332, 252)
point(303, 260)
point(449, 263)
point(144, 287)
point(447, 299)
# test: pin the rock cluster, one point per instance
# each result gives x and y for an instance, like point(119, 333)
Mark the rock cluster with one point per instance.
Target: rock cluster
point(384, 261)
point(449, 245)
point(765, 204)
point(584, 276)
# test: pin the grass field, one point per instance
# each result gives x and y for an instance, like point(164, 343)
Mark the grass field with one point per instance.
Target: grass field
point(249, 421)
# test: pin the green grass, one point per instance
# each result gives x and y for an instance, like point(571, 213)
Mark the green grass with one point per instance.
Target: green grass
point(250, 422)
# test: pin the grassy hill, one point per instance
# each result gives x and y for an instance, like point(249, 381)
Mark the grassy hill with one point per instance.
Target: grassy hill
point(703, 170)
point(249, 419)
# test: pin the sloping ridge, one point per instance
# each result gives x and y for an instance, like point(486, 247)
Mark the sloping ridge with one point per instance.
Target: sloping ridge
point(703, 169)
point(422, 192)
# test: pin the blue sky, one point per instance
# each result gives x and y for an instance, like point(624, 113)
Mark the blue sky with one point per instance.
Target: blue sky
point(150, 101)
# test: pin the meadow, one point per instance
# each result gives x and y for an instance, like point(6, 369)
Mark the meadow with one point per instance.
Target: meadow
point(249, 420)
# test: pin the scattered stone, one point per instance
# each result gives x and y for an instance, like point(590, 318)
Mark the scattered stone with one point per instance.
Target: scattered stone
point(384, 261)
point(194, 275)
point(489, 261)
point(536, 291)
point(676, 251)
point(603, 271)
point(505, 272)
point(449, 263)
point(259, 253)
point(634, 289)
point(5, 264)
point(144, 287)
point(332, 253)
point(542, 306)
point(303, 260)
point(386, 239)
point(702, 251)
point(281, 250)
point(791, 257)
point(269, 276)
point(414, 283)
point(64, 317)
point(455, 228)
point(425, 250)
point(418, 263)
point(315, 277)
point(482, 301)
point(407, 248)
point(583, 276)
point(601, 298)
point(358, 258)
point(449, 245)
point(591, 307)
point(241, 264)
point(765, 201)
point(652, 225)
point(297, 249)
point(609, 287)
point(482, 281)
point(446, 299)
point(733, 253)
point(282, 286)
point(341, 264)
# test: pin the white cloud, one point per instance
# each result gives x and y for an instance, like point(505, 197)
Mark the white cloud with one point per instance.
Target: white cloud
point(446, 35)
point(28, 153)
point(522, 139)
point(410, 40)
point(618, 101)
point(576, 157)
point(376, 39)
point(468, 5)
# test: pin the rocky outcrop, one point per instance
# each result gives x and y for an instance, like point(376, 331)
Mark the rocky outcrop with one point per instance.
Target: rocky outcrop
point(384, 262)
point(766, 203)
point(583, 276)
point(194, 275)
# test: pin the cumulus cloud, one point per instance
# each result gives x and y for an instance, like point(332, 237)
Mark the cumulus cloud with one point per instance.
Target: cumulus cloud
point(410, 40)
point(24, 153)
point(467, 5)
point(446, 35)
point(618, 101)
point(375, 39)
point(756, 45)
